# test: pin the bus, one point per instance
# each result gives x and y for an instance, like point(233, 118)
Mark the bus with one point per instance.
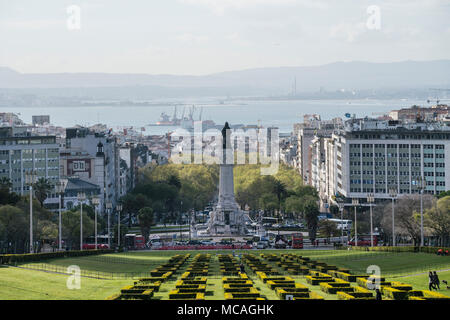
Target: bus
point(133, 241)
point(297, 241)
point(342, 224)
point(364, 241)
point(102, 242)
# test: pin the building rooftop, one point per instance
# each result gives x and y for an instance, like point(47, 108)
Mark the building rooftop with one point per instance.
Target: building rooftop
point(370, 124)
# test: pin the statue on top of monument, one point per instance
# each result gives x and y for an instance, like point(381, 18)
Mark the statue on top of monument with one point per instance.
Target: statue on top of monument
point(224, 135)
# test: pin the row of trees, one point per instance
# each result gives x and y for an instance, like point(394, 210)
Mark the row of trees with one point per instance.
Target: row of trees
point(282, 195)
point(15, 219)
point(15, 226)
point(41, 187)
point(436, 219)
point(163, 192)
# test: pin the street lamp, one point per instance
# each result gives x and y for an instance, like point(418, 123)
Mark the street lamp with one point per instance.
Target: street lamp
point(30, 178)
point(393, 195)
point(95, 202)
point(181, 219)
point(371, 200)
point(119, 209)
point(60, 187)
point(341, 209)
point(355, 202)
point(81, 196)
point(108, 209)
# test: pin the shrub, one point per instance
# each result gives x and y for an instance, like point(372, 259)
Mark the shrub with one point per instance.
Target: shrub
point(329, 288)
point(394, 293)
point(312, 296)
point(354, 296)
point(430, 295)
point(32, 257)
point(176, 295)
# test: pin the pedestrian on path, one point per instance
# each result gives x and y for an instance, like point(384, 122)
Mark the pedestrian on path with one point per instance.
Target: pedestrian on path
point(431, 281)
point(378, 294)
point(436, 281)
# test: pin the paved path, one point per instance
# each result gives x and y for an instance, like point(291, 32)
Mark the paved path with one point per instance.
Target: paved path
point(419, 274)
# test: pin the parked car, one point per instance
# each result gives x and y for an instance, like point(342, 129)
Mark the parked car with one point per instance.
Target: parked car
point(262, 245)
point(156, 245)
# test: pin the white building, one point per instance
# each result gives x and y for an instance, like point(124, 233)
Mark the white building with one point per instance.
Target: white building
point(375, 156)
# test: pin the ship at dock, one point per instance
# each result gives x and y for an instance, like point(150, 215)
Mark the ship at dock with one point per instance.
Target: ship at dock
point(186, 121)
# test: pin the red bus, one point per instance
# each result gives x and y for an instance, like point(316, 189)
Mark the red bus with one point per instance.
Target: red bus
point(102, 243)
point(133, 241)
point(364, 241)
point(297, 241)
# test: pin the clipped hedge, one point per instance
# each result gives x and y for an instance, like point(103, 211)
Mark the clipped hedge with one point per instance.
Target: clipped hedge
point(33, 257)
point(354, 296)
point(193, 280)
point(230, 296)
point(312, 296)
point(402, 249)
point(394, 293)
point(251, 293)
point(176, 295)
point(244, 284)
point(426, 295)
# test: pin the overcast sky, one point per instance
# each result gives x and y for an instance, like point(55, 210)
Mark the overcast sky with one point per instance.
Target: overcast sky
point(205, 36)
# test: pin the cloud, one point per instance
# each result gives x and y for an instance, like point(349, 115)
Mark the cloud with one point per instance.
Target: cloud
point(32, 24)
point(348, 31)
point(191, 38)
point(220, 6)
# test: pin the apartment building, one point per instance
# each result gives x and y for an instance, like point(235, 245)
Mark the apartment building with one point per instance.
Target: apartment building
point(20, 152)
point(375, 156)
point(312, 127)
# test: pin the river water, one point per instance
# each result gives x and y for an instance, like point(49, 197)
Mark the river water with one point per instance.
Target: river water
point(282, 114)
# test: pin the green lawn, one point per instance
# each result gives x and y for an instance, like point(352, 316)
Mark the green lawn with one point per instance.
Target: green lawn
point(420, 281)
point(19, 283)
point(391, 264)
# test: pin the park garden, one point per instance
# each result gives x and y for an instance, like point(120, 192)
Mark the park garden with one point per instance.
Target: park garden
point(227, 275)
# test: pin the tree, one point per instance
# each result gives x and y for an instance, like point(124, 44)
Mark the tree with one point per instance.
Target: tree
point(443, 194)
point(311, 212)
point(41, 190)
point(294, 204)
point(6, 196)
point(407, 216)
point(145, 217)
point(71, 227)
point(328, 228)
point(16, 228)
point(5, 183)
point(437, 218)
point(268, 202)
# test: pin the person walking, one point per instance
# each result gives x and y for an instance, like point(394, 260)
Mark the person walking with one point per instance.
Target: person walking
point(436, 281)
point(431, 281)
point(378, 294)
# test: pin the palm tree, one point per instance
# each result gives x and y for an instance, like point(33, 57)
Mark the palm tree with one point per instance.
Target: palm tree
point(42, 188)
point(146, 221)
point(5, 183)
point(280, 190)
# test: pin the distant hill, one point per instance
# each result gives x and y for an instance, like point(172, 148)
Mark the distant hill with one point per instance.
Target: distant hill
point(334, 76)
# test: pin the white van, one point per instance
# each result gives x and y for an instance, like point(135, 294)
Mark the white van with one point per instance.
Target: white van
point(342, 224)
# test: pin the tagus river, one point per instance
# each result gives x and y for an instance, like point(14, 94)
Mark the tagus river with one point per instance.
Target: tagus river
point(282, 114)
